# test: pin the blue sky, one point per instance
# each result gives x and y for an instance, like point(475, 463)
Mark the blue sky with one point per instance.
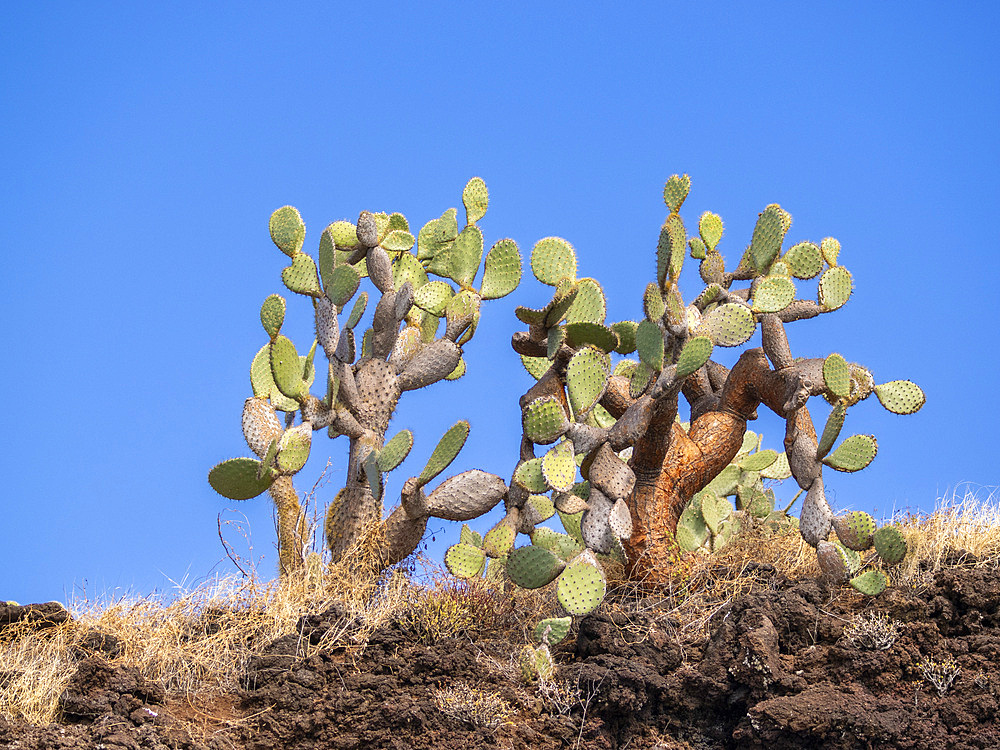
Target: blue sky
point(144, 149)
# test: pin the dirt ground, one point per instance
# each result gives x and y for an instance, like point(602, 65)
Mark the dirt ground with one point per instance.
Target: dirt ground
point(792, 664)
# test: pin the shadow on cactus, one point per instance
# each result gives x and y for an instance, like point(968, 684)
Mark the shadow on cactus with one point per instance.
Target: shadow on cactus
point(418, 331)
point(613, 460)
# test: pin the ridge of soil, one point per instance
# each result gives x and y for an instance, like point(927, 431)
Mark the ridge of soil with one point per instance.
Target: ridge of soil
point(773, 670)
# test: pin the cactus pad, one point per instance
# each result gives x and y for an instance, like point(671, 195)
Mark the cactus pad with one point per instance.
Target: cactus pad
point(610, 474)
point(465, 560)
point(620, 519)
point(260, 425)
point(773, 294)
point(853, 454)
point(759, 461)
point(581, 587)
point(830, 248)
point(544, 420)
point(357, 311)
point(675, 191)
point(552, 630)
point(710, 228)
point(831, 562)
point(467, 495)
point(445, 451)
point(837, 375)
point(288, 231)
point(728, 325)
point(625, 330)
point(501, 270)
point(779, 469)
point(465, 256)
point(552, 260)
point(559, 466)
point(286, 368)
point(499, 540)
point(293, 448)
point(900, 396)
point(592, 334)
point(536, 366)
point(890, 544)
point(300, 277)
point(835, 287)
point(804, 260)
point(649, 344)
point(670, 250)
point(816, 518)
point(238, 478)
point(855, 530)
point(831, 430)
point(395, 451)
point(714, 510)
point(595, 526)
point(529, 475)
point(772, 224)
point(563, 545)
point(652, 303)
point(589, 306)
point(870, 583)
point(532, 567)
point(397, 241)
point(694, 355)
point(272, 314)
point(586, 379)
point(433, 297)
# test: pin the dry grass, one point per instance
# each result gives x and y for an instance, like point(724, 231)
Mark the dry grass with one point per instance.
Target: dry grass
point(196, 644)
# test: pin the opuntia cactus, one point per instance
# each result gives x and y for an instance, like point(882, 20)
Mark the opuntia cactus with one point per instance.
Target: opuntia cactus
point(403, 349)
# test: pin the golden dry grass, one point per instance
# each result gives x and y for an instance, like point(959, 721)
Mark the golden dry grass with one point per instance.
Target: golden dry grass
point(196, 645)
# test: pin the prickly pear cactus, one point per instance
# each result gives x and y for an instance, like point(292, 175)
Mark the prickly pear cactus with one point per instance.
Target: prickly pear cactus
point(416, 336)
point(602, 444)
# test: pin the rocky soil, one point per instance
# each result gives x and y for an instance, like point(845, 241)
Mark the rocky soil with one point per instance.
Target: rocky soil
point(778, 668)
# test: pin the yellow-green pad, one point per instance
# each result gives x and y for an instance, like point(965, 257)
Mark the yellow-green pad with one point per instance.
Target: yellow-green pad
point(397, 241)
point(900, 396)
point(500, 539)
point(536, 366)
point(853, 454)
point(293, 448)
point(552, 260)
point(625, 330)
point(555, 339)
point(773, 294)
point(552, 630)
point(300, 277)
point(559, 466)
point(640, 379)
point(693, 356)
point(870, 583)
point(890, 544)
point(466, 254)
point(464, 560)
point(837, 375)
point(262, 381)
point(458, 372)
point(594, 334)
point(590, 306)
point(288, 231)
point(649, 344)
point(532, 567)
point(433, 297)
point(341, 284)
point(835, 287)
point(725, 482)
point(470, 536)
point(394, 451)
point(675, 191)
point(502, 270)
point(398, 221)
point(804, 260)
point(237, 478)
point(772, 224)
point(445, 451)
point(343, 233)
point(563, 545)
point(710, 228)
point(544, 420)
point(830, 248)
point(529, 475)
point(715, 510)
point(286, 368)
point(670, 249)
point(728, 325)
point(357, 311)
point(476, 199)
point(855, 530)
point(272, 314)
point(759, 461)
point(698, 249)
point(407, 268)
point(653, 305)
point(586, 379)
point(831, 430)
point(571, 522)
point(581, 588)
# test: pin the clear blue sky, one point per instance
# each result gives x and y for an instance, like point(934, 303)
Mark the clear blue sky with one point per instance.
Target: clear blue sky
point(144, 149)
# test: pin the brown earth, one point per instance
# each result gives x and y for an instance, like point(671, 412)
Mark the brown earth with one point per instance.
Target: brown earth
point(774, 669)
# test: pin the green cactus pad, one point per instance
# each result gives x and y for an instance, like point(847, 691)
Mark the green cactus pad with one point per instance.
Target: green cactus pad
point(853, 454)
point(552, 260)
point(728, 325)
point(698, 249)
point(286, 368)
point(343, 233)
point(470, 536)
point(287, 230)
point(398, 221)
point(476, 198)
point(715, 510)
point(397, 241)
point(544, 420)
point(590, 305)
point(830, 249)
point(539, 508)
point(675, 191)
point(581, 588)
point(625, 330)
point(272, 314)
point(395, 451)
point(559, 466)
point(458, 372)
point(725, 482)
point(502, 270)
point(433, 297)
point(759, 461)
point(804, 260)
point(237, 478)
point(586, 379)
point(835, 287)
point(445, 451)
point(870, 583)
point(563, 299)
point(563, 545)
point(536, 366)
point(649, 344)
point(779, 470)
point(772, 224)
point(262, 381)
point(900, 396)
point(593, 334)
point(693, 356)
point(366, 343)
point(533, 567)
point(773, 294)
point(851, 559)
point(407, 268)
point(465, 256)
point(529, 475)
point(373, 475)
point(552, 630)
point(831, 430)
point(465, 560)
point(357, 311)
point(499, 540)
point(855, 530)
point(670, 250)
point(341, 284)
point(890, 544)
point(710, 228)
point(653, 306)
point(300, 277)
point(293, 448)
point(640, 379)
point(837, 375)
